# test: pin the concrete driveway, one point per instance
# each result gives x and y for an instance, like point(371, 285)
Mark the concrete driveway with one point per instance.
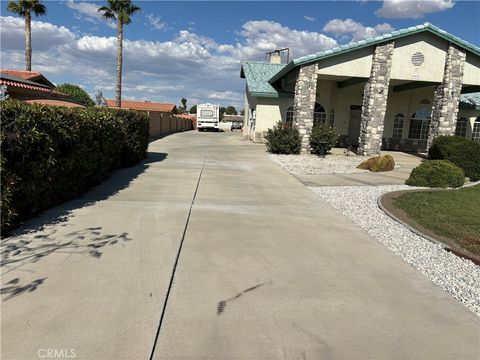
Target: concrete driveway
point(266, 271)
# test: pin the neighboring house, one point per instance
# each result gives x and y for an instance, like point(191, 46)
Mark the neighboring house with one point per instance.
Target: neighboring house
point(396, 91)
point(163, 118)
point(33, 87)
point(232, 118)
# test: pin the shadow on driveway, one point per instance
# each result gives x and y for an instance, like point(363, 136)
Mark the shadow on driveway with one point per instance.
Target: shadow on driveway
point(119, 180)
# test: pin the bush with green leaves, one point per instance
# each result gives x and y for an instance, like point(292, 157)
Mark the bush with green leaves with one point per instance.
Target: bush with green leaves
point(436, 174)
point(462, 152)
point(378, 163)
point(322, 139)
point(51, 154)
point(283, 139)
point(76, 93)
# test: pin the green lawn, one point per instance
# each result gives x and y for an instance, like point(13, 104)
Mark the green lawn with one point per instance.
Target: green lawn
point(454, 214)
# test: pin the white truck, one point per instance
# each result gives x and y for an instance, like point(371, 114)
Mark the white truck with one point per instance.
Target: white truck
point(208, 117)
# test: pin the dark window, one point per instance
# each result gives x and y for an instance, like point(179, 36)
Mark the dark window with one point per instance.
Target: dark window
point(289, 116)
point(461, 128)
point(319, 115)
point(476, 130)
point(419, 124)
point(398, 126)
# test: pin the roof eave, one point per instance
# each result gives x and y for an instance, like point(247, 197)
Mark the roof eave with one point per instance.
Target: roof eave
point(297, 62)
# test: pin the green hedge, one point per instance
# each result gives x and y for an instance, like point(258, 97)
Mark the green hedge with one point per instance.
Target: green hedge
point(322, 139)
point(52, 154)
point(462, 152)
point(283, 139)
point(436, 173)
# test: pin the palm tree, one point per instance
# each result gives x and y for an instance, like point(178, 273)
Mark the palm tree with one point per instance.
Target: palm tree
point(24, 8)
point(120, 10)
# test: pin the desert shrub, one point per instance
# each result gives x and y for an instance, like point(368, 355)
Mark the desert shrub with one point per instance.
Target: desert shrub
point(322, 139)
point(462, 152)
point(52, 154)
point(378, 163)
point(436, 173)
point(283, 139)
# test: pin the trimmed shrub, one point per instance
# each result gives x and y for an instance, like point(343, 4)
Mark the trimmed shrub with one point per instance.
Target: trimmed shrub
point(378, 163)
point(436, 173)
point(283, 139)
point(462, 152)
point(52, 154)
point(322, 139)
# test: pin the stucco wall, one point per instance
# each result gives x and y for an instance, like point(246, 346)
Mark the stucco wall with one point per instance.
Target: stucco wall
point(471, 72)
point(353, 64)
point(269, 111)
point(433, 49)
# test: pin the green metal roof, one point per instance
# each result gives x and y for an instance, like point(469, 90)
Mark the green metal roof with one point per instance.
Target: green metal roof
point(257, 75)
point(374, 41)
point(470, 101)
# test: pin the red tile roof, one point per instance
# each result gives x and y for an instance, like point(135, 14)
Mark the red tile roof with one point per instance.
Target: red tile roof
point(53, 102)
point(30, 87)
point(27, 75)
point(143, 105)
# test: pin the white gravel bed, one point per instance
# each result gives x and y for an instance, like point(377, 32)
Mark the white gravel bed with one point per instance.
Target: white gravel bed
point(314, 165)
point(457, 276)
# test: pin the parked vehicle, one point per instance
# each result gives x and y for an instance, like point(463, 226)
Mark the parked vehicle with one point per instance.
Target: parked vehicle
point(236, 126)
point(208, 116)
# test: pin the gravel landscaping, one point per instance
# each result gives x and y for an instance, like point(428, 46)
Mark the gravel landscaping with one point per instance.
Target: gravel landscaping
point(457, 276)
point(314, 165)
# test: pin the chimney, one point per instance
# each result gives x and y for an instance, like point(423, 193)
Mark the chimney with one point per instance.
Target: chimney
point(275, 56)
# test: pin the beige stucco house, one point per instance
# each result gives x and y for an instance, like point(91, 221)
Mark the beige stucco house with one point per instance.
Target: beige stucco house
point(396, 91)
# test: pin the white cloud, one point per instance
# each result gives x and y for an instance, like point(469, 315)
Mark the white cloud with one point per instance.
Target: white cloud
point(156, 22)
point(263, 36)
point(85, 11)
point(309, 18)
point(44, 35)
point(188, 65)
point(408, 9)
point(352, 30)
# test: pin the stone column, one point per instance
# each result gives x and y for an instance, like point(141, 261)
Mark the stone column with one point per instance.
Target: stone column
point(375, 101)
point(304, 102)
point(447, 95)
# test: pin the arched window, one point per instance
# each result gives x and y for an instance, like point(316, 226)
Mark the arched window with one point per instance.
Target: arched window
point(461, 128)
point(419, 124)
point(289, 116)
point(476, 130)
point(398, 126)
point(332, 117)
point(319, 115)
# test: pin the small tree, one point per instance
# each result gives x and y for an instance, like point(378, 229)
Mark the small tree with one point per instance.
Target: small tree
point(322, 139)
point(76, 94)
point(221, 111)
point(283, 139)
point(193, 109)
point(184, 103)
point(230, 110)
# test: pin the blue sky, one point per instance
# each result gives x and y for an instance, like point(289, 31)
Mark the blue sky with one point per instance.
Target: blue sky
point(194, 49)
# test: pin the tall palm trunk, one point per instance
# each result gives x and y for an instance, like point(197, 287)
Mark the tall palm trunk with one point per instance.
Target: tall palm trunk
point(28, 42)
point(118, 88)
